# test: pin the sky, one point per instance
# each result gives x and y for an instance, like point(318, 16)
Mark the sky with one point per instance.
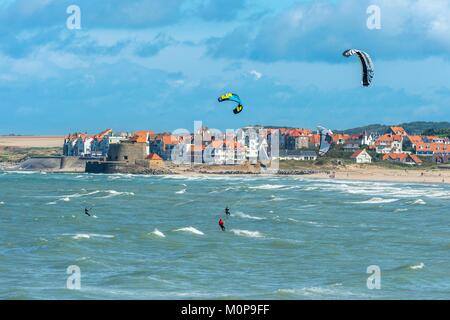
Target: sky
point(161, 64)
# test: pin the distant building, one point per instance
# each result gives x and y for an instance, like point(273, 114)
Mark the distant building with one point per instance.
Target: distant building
point(389, 143)
point(299, 155)
point(406, 158)
point(352, 145)
point(397, 131)
point(361, 156)
point(155, 161)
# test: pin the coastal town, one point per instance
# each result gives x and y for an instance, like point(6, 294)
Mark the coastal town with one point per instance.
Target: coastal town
point(297, 144)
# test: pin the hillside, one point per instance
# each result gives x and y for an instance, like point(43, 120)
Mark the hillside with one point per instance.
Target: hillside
point(414, 128)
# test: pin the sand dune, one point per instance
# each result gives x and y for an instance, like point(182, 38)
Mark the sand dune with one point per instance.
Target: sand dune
point(32, 141)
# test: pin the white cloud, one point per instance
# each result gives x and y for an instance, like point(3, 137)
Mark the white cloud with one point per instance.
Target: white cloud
point(257, 75)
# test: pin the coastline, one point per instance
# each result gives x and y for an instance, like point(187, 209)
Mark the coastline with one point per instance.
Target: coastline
point(375, 174)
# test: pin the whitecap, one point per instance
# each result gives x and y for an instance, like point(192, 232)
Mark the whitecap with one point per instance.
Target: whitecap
point(316, 291)
point(181, 191)
point(247, 233)
point(191, 230)
point(419, 201)
point(418, 266)
point(375, 200)
point(78, 236)
point(2, 203)
point(158, 233)
point(268, 187)
point(114, 193)
point(246, 216)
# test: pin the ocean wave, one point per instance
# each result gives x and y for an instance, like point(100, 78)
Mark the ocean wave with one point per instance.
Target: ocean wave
point(247, 233)
point(419, 201)
point(51, 203)
point(1, 203)
point(190, 230)
point(268, 187)
point(246, 216)
point(400, 210)
point(417, 266)
point(79, 236)
point(382, 188)
point(375, 200)
point(275, 198)
point(114, 193)
point(158, 233)
point(334, 290)
point(181, 191)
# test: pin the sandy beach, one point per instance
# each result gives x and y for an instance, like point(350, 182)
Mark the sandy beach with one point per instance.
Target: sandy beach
point(31, 141)
point(372, 173)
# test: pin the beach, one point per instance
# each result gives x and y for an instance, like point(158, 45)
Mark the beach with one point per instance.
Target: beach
point(373, 173)
point(32, 141)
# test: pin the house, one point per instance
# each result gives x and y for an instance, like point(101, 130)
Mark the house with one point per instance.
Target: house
point(361, 156)
point(406, 158)
point(367, 139)
point(297, 139)
point(340, 138)
point(410, 142)
point(428, 149)
point(389, 143)
point(314, 141)
point(299, 155)
point(352, 145)
point(155, 161)
point(397, 131)
point(84, 145)
point(223, 152)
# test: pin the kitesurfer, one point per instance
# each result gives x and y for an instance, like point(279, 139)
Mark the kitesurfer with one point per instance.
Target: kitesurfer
point(221, 224)
point(227, 211)
point(86, 211)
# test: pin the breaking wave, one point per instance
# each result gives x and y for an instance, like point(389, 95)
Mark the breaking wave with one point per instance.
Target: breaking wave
point(247, 233)
point(268, 187)
point(79, 236)
point(375, 200)
point(158, 233)
point(417, 266)
point(191, 230)
point(246, 216)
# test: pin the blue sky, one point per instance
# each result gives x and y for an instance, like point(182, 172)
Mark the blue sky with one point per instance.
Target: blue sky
point(153, 64)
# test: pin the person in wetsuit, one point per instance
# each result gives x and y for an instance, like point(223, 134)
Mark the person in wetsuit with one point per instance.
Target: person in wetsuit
point(227, 211)
point(86, 211)
point(221, 224)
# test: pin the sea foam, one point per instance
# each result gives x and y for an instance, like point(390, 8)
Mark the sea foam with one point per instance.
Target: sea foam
point(375, 200)
point(247, 233)
point(190, 230)
point(246, 216)
point(158, 233)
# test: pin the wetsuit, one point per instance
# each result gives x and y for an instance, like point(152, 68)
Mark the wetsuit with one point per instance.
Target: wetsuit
point(86, 211)
point(227, 211)
point(221, 224)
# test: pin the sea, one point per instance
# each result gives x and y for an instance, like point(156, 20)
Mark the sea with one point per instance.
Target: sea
point(157, 237)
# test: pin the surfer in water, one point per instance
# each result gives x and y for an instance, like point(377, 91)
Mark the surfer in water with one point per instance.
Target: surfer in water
point(86, 211)
point(221, 224)
point(227, 211)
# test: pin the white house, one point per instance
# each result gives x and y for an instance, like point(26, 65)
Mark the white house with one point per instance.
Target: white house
point(362, 156)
